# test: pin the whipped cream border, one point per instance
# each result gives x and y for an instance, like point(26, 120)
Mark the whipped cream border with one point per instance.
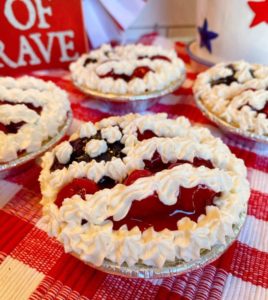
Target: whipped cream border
point(123, 60)
point(95, 241)
point(226, 101)
point(38, 128)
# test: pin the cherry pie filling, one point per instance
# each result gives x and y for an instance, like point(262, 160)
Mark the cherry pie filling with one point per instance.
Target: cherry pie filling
point(11, 127)
point(150, 212)
point(14, 127)
point(139, 72)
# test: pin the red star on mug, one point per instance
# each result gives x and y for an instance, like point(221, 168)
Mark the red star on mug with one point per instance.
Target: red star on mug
point(261, 12)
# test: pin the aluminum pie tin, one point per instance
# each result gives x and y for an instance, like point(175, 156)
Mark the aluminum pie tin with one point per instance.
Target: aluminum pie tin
point(23, 161)
point(121, 104)
point(175, 268)
point(229, 128)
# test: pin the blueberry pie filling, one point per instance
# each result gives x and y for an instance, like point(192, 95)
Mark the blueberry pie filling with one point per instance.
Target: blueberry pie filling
point(142, 183)
point(243, 104)
point(79, 154)
point(228, 80)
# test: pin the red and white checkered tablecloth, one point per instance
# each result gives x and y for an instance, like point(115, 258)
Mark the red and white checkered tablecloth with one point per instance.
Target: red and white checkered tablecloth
point(34, 266)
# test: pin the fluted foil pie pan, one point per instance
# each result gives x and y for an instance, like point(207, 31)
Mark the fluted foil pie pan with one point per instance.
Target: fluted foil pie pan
point(126, 103)
point(229, 128)
point(175, 268)
point(23, 162)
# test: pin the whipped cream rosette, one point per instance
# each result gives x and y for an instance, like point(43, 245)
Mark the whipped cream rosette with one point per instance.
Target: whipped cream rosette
point(142, 189)
point(236, 93)
point(32, 112)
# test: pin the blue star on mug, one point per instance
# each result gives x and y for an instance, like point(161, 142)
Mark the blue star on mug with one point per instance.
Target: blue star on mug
point(206, 36)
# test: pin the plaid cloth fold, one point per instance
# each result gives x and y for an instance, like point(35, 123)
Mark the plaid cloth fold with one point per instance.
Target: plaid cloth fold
point(34, 266)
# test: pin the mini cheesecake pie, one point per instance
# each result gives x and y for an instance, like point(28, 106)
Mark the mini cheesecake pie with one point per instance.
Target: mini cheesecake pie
point(128, 70)
point(142, 189)
point(236, 93)
point(32, 112)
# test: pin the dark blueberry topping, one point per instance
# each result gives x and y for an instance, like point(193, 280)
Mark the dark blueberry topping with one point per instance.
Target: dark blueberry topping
point(226, 80)
point(79, 154)
point(56, 165)
point(83, 222)
point(114, 150)
point(78, 146)
point(106, 182)
point(89, 61)
point(97, 136)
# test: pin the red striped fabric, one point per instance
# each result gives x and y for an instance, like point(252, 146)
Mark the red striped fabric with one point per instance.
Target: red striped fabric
point(27, 252)
point(258, 206)
point(12, 231)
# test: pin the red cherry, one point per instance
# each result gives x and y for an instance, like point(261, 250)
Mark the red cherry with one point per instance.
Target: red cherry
point(202, 162)
point(116, 76)
point(196, 163)
point(151, 212)
point(194, 200)
point(161, 57)
point(155, 164)
point(202, 197)
point(3, 128)
point(186, 199)
point(178, 163)
point(140, 72)
point(145, 213)
point(265, 109)
point(79, 186)
point(146, 135)
point(147, 207)
point(136, 175)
